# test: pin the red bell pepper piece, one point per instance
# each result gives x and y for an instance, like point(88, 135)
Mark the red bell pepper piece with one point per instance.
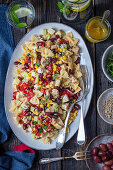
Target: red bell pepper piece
point(43, 91)
point(30, 94)
point(14, 94)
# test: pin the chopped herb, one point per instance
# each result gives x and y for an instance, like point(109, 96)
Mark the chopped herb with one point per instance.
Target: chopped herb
point(71, 101)
point(38, 64)
point(30, 82)
point(31, 86)
point(28, 54)
point(52, 127)
point(53, 56)
point(59, 45)
point(47, 61)
point(109, 65)
point(40, 130)
point(42, 101)
point(45, 127)
point(63, 53)
point(38, 47)
point(39, 138)
point(70, 47)
point(47, 96)
point(34, 122)
point(45, 107)
point(54, 77)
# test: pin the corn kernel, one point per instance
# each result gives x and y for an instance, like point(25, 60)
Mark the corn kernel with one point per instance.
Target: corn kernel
point(56, 56)
point(48, 105)
point(67, 53)
point(42, 125)
point(37, 84)
point(43, 87)
point(22, 61)
point(74, 100)
point(37, 104)
point(36, 67)
point(32, 118)
point(57, 62)
point(58, 49)
point(45, 123)
point(51, 85)
point(64, 58)
point(61, 50)
point(37, 50)
point(31, 65)
point(44, 77)
point(18, 60)
point(50, 101)
point(45, 116)
point(41, 105)
point(60, 62)
point(32, 79)
point(28, 70)
point(40, 86)
point(25, 130)
point(40, 82)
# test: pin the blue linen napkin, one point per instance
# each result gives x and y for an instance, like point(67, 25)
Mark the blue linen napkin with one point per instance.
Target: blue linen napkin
point(13, 160)
point(6, 49)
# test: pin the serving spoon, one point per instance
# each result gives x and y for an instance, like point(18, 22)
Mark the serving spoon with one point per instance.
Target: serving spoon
point(61, 138)
point(105, 16)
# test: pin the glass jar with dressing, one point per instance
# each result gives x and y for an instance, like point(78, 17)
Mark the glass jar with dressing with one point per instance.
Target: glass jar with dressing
point(95, 31)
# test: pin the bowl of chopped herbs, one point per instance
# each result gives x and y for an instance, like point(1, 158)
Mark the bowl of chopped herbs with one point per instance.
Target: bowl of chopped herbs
point(107, 63)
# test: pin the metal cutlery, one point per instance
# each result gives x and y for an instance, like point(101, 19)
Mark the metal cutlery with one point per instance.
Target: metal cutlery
point(61, 137)
point(81, 131)
point(83, 155)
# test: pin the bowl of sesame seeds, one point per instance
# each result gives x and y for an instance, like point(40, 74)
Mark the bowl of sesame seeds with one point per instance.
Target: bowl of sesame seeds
point(105, 106)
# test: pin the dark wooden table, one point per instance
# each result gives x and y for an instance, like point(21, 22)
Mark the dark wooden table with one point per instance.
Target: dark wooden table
point(94, 125)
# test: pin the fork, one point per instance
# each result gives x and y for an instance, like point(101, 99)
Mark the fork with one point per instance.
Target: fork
point(81, 131)
point(83, 155)
point(61, 137)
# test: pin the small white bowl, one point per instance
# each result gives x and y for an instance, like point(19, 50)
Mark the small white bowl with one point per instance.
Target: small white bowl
point(106, 54)
point(100, 103)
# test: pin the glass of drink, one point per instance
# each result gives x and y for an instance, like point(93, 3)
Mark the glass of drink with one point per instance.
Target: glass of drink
point(20, 14)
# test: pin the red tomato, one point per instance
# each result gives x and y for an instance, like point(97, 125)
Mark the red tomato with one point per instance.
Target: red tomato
point(50, 68)
point(22, 114)
point(43, 44)
point(30, 95)
point(66, 92)
point(43, 91)
point(14, 95)
point(58, 68)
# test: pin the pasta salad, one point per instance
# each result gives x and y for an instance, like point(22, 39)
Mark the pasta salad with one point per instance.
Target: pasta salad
point(46, 83)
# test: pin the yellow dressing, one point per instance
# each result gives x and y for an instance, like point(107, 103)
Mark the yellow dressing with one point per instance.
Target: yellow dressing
point(96, 31)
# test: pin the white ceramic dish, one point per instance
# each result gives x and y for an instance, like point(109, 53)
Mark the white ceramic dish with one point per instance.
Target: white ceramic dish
point(85, 59)
point(106, 54)
point(100, 103)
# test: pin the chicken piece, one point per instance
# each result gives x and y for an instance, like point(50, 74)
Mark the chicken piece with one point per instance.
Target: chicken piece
point(51, 31)
point(34, 100)
point(43, 62)
point(25, 105)
point(57, 123)
point(72, 79)
point(19, 95)
point(76, 49)
point(53, 47)
point(65, 106)
point(55, 93)
point(65, 98)
point(57, 82)
point(48, 44)
point(60, 33)
point(50, 109)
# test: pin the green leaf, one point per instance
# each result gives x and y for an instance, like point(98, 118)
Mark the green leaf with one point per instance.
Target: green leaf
point(40, 130)
point(22, 24)
point(60, 6)
point(14, 17)
point(15, 8)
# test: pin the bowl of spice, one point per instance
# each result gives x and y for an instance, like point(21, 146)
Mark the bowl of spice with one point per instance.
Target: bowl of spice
point(105, 106)
point(107, 63)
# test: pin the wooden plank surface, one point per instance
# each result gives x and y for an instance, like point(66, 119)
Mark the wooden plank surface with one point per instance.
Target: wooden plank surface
point(94, 125)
